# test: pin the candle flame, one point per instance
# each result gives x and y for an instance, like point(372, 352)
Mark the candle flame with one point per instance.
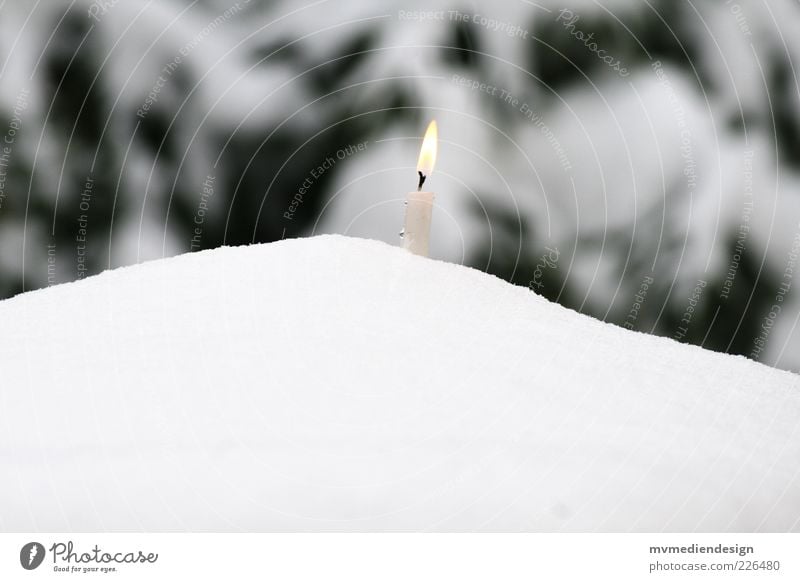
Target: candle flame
point(427, 155)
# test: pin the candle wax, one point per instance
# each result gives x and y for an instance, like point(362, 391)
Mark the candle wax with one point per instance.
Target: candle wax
point(416, 234)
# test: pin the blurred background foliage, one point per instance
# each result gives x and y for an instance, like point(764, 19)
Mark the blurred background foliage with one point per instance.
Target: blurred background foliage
point(649, 175)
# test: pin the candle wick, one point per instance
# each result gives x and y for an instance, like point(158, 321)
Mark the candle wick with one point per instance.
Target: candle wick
point(422, 178)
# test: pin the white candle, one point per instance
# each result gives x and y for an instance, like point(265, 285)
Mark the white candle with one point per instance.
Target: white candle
point(419, 205)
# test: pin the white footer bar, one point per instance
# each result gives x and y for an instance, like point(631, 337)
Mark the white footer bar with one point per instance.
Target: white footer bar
point(400, 557)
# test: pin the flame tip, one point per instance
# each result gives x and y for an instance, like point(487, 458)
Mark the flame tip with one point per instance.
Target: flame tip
point(427, 154)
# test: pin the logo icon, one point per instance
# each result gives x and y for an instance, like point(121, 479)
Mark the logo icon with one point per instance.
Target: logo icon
point(31, 555)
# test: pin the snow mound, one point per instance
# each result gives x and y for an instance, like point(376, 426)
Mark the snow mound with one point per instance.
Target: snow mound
point(342, 384)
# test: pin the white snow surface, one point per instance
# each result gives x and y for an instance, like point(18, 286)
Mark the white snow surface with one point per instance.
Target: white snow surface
point(333, 383)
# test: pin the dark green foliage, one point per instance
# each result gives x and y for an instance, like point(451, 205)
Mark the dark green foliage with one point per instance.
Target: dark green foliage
point(464, 43)
point(785, 107)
